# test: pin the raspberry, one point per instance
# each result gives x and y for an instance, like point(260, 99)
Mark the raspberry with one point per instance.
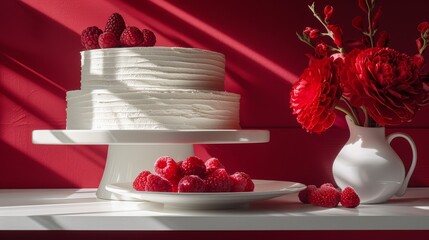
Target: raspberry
point(149, 38)
point(139, 183)
point(218, 181)
point(304, 195)
point(191, 183)
point(166, 167)
point(212, 164)
point(131, 37)
point(193, 166)
point(238, 182)
point(327, 185)
point(89, 37)
point(241, 182)
point(107, 40)
point(250, 186)
point(325, 197)
point(156, 183)
point(116, 25)
point(349, 198)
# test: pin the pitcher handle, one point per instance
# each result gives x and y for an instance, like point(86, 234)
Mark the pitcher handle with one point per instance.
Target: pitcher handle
point(407, 137)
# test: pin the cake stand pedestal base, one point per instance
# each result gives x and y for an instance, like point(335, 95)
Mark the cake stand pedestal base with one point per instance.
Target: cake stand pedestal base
point(125, 162)
point(132, 151)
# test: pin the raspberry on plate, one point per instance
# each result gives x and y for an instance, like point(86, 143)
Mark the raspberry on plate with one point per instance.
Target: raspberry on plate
point(349, 198)
point(238, 182)
point(191, 183)
point(250, 186)
point(327, 185)
point(193, 166)
point(139, 183)
point(325, 197)
point(156, 183)
point(241, 182)
point(212, 164)
point(89, 37)
point(218, 181)
point(166, 167)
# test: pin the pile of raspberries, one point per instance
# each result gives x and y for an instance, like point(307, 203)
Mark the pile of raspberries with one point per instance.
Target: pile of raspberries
point(328, 196)
point(192, 175)
point(116, 34)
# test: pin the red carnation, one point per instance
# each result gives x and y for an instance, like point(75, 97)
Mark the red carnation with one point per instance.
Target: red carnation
point(385, 82)
point(315, 94)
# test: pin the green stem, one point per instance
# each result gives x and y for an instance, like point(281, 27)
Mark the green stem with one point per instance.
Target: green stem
point(425, 42)
point(328, 32)
point(352, 109)
point(370, 30)
point(367, 118)
point(348, 113)
point(304, 40)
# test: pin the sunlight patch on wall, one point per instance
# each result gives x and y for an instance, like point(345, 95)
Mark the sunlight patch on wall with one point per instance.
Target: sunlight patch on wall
point(227, 40)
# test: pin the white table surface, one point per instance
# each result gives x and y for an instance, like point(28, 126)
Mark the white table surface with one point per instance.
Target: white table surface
point(79, 209)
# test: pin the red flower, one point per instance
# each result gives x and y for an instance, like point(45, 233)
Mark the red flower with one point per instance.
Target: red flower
point(385, 82)
point(378, 84)
point(315, 94)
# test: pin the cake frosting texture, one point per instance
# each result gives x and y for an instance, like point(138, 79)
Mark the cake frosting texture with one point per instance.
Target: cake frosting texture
point(152, 88)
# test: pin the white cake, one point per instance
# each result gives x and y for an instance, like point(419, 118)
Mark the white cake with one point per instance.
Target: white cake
point(152, 88)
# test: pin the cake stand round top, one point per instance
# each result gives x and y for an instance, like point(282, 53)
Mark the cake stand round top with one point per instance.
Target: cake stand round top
point(127, 137)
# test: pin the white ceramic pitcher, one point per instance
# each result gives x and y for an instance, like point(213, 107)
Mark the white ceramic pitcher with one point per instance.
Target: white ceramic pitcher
point(368, 163)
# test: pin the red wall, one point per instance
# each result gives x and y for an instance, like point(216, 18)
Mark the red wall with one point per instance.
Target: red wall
point(40, 61)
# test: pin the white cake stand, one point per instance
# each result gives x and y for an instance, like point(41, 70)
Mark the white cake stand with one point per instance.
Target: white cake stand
point(132, 151)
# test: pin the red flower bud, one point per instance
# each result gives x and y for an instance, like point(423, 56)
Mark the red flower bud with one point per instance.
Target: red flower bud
point(363, 6)
point(418, 60)
point(423, 27)
point(321, 51)
point(376, 18)
point(328, 10)
point(357, 22)
point(419, 43)
point(307, 30)
point(383, 39)
point(338, 34)
point(314, 33)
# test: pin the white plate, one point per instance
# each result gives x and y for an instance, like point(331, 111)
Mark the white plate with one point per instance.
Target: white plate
point(264, 189)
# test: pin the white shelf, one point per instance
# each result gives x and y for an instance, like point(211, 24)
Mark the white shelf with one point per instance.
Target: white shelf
point(79, 209)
